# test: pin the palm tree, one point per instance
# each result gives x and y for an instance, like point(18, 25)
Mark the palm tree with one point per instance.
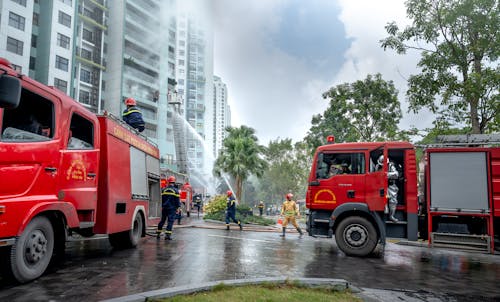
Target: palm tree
point(240, 157)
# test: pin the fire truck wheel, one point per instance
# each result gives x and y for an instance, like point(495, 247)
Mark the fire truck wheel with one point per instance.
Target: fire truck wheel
point(128, 238)
point(356, 236)
point(31, 253)
point(136, 232)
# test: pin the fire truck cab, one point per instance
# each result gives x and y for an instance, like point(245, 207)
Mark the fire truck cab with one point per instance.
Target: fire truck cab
point(347, 195)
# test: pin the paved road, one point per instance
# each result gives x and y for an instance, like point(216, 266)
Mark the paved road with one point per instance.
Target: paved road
point(93, 271)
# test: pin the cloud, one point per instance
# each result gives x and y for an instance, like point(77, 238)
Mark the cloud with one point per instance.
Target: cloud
point(277, 57)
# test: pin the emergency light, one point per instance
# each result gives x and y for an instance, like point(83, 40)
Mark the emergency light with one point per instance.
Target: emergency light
point(330, 139)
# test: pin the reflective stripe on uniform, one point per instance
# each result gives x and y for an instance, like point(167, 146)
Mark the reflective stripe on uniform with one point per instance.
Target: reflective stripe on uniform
point(131, 111)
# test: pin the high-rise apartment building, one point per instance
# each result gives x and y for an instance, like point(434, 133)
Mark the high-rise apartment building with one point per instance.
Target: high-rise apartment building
point(195, 82)
point(89, 63)
point(133, 59)
point(57, 42)
point(222, 114)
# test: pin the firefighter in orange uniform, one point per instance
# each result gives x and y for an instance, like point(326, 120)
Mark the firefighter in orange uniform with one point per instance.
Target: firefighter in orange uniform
point(170, 206)
point(289, 210)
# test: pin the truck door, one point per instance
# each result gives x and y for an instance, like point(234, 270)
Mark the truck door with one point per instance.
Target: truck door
point(376, 180)
point(29, 145)
point(79, 168)
point(340, 178)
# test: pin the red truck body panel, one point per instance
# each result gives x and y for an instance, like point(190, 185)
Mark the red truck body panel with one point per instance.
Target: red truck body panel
point(116, 204)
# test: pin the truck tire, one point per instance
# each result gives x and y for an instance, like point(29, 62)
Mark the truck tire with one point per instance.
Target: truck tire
point(356, 236)
point(128, 238)
point(134, 235)
point(31, 254)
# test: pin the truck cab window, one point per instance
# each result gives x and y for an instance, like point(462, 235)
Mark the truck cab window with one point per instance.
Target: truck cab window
point(333, 164)
point(81, 134)
point(31, 121)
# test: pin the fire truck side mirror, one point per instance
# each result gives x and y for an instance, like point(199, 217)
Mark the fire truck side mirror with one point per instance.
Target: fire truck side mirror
point(10, 91)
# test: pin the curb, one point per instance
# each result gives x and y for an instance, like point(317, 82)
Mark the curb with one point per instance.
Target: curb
point(337, 284)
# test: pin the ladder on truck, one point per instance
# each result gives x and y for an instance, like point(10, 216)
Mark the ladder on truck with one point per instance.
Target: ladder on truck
point(179, 137)
point(460, 239)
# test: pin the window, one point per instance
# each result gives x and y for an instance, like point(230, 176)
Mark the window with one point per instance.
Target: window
point(36, 16)
point(32, 63)
point(20, 2)
point(63, 40)
point(64, 19)
point(86, 54)
point(61, 85)
point(333, 164)
point(87, 35)
point(84, 97)
point(15, 46)
point(85, 75)
point(33, 41)
point(16, 21)
point(81, 133)
point(31, 121)
point(62, 63)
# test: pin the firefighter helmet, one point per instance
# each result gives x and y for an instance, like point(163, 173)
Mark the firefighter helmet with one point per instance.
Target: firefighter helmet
point(229, 193)
point(289, 196)
point(171, 179)
point(130, 102)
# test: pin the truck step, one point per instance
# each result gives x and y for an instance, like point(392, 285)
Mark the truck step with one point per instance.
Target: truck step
point(461, 241)
point(322, 220)
point(396, 222)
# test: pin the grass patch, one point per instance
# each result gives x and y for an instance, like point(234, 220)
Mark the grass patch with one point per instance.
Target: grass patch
point(266, 292)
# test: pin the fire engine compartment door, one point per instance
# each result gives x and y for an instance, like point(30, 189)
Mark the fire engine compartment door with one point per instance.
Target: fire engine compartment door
point(458, 181)
point(138, 174)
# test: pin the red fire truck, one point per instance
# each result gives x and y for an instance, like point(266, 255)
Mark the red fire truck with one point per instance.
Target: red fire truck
point(65, 170)
point(455, 202)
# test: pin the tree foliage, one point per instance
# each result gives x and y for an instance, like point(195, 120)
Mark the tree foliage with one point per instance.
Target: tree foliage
point(459, 65)
point(240, 157)
point(366, 110)
point(289, 166)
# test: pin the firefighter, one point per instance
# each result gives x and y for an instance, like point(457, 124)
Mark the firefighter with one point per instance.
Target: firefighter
point(132, 116)
point(289, 210)
point(261, 207)
point(170, 206)
point(345, 169)
point(392, 190)
point(231, 211)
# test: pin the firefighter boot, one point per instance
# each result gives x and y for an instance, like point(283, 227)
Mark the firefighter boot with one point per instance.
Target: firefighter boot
point(239, 224)
point(283, 235)
point(227, 227)
point(300, 232)
point(168, 236)
point(392, 211)
point(158, 233)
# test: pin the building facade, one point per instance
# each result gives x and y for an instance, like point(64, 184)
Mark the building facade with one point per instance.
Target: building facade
point(222, 114)
point(59, 43)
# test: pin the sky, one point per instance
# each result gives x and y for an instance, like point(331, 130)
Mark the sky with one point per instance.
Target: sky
point(277, 57)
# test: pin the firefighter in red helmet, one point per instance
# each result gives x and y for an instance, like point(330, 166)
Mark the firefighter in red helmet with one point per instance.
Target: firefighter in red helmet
point(289, 210)
point(231, 211)
point(132, 115)
point(170, 206)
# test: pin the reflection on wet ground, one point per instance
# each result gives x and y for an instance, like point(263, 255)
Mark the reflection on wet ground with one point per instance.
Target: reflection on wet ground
point(92, 270)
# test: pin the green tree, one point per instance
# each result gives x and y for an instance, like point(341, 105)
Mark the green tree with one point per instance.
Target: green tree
point(289, 166)
point(240, 157)
point(459, 64)
point(366, 110)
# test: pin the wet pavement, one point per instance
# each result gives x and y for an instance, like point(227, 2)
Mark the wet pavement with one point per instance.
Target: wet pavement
point(203, 252)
